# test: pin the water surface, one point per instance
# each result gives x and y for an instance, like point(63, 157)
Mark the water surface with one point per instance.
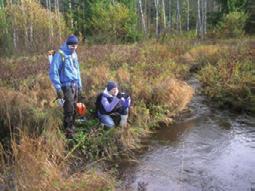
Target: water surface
point(208, 150)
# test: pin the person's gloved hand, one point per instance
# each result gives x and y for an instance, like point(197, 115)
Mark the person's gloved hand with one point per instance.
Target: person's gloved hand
point(60, 94)
point(125, 102)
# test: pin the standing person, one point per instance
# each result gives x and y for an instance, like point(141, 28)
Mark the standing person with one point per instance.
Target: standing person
point(65, 76)
point(111, 102)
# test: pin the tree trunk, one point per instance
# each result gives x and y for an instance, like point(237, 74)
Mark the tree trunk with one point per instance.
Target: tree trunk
point(24, 25)
point(188, 16)
point(170, 15)
point(157, 17)
point(178, 16)
point(164, 13)
point(142, 16)
point(71, 19)
point(14, 36)
point(205, 17)
point(198, 19)
point(148, 14)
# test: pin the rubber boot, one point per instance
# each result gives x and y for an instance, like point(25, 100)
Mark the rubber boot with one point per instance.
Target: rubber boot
point(123, 120)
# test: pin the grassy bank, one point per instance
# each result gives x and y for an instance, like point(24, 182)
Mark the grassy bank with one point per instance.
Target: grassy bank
point(41, 158)
point(228, 75)
point(152, 73)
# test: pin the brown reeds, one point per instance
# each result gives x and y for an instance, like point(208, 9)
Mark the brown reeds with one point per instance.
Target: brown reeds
point(39, 165)
point(172, 93)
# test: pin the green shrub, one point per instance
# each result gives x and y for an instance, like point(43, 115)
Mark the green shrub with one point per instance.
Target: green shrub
point(232, 25)
point(112, 23)
point(230, 84)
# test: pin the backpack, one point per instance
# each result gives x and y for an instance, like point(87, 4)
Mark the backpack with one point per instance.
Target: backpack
point(52, 52)
point(98, 102)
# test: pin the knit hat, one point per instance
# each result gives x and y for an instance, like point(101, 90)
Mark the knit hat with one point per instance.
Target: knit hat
point(111, 85)
point(72, 40)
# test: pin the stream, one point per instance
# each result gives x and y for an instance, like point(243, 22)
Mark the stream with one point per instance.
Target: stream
point(207, 150)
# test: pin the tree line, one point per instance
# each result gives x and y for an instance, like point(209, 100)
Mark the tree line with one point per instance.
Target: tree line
point(27, 24)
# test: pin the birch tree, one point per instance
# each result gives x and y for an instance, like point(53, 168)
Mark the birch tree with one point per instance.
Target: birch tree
point(70, 11)
point(204, 17)
point(178, 16)
point(164, 13)
point(201, 18)
point(142, 16)
point(156, 2)
point(188, 15)
point(24, 23)
point(198, 25)
point(170, 14)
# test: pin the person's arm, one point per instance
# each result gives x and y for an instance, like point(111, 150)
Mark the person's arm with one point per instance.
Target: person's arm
point(54, 71)
point(109, 106)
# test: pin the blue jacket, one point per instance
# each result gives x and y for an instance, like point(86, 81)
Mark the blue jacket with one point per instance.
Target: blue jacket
point(111, 104)
point(108, 103)
point(65, 71)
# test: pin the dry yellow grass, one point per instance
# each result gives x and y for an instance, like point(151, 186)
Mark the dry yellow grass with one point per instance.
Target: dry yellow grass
point(200, 52)
point(39, 165)
point(172, 93)
point(39, 160)
point(15, 108)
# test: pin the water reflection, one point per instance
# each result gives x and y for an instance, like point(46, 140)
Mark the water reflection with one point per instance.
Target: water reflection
point(208, 150)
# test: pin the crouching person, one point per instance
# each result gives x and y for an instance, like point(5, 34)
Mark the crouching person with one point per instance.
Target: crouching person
point(110, 103)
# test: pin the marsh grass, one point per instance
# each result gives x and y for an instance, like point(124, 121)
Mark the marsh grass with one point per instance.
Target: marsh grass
point(230, 80)
point(148, 72)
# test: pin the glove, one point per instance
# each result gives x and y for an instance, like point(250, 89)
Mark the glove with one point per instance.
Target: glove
point(60, 94)
point(125, 102)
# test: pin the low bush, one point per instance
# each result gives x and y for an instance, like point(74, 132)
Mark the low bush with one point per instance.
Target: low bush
point(231, 81)
point(231, 25)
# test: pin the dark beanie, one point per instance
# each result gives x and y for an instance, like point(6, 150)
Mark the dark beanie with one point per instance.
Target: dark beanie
point(72, 40)
point(111, 85)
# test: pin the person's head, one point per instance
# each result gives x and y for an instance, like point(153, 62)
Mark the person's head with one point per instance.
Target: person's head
point(72, 42)
point(112, 88)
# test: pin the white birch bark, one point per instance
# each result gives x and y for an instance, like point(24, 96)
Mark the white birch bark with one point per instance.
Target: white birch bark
point(188, 15)
point(70, 9)
point(142, 16)
point(164, 13)
point(14, 35)
point(156, 2)
point(31, 30)
point(170, 15)
point(178, 16)
point(25, 28)
point(205, 17)
point(198, 19)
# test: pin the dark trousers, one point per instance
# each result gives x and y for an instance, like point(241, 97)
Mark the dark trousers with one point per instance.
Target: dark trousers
point(71, 98)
